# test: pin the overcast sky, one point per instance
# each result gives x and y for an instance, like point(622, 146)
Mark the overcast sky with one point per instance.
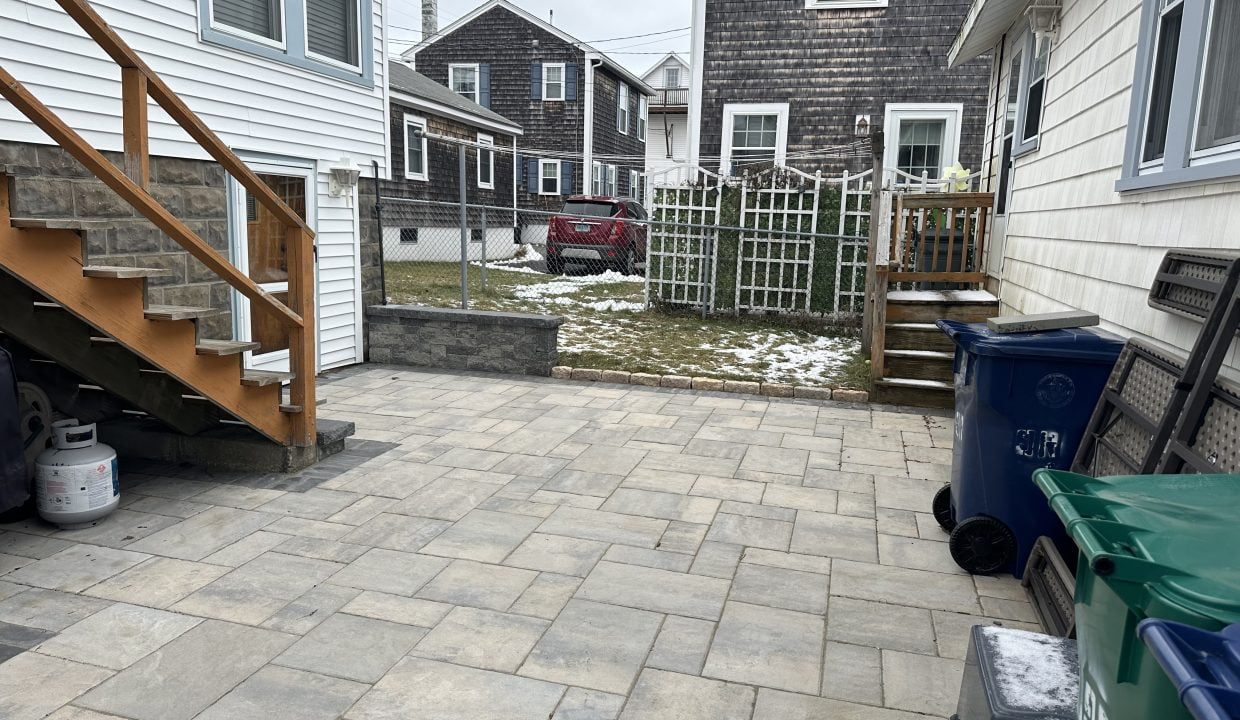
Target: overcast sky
point(588, 20)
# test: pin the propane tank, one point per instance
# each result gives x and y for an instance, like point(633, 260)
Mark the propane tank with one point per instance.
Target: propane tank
point(76, 481)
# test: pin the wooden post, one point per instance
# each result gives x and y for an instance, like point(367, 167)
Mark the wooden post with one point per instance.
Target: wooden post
point(134, 126)
point(876, 191)
point(301, 340)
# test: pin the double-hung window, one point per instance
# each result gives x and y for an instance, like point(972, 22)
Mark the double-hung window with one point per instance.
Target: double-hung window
point(1030, 95)
point(597, 177)
point(553, 82)
point(463, 79)
point(486, 162)
point(548, 177)
point(622, 109)
point(415, 148)
point(753, 134)
point(612, 190)
point(327, 36)
point(921, 139)
point(1009, 134)
point(1184, 124)
point(671, 77)
point(634, 188)
point(643, 111)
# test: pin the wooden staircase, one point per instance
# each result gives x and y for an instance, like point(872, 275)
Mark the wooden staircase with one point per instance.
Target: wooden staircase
point(923, 241)
point(96, 321)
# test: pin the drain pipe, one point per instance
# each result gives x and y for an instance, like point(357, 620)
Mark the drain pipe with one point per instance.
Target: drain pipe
point(379, 223)
point(587, 153)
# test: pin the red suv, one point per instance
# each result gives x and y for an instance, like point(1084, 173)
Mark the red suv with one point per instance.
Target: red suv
point(597, 231)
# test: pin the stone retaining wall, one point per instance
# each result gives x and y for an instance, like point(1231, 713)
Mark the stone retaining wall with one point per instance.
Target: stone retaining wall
point(463, 339)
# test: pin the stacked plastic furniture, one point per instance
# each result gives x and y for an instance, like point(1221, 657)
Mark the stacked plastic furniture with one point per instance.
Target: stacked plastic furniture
point(1204, 666)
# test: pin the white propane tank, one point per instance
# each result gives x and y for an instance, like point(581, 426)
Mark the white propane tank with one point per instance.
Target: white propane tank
point(76, 482)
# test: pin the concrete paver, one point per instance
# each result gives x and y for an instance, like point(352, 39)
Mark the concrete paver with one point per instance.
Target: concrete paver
point(517, 548)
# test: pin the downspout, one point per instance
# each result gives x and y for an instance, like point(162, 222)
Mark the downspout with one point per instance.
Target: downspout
point(587, 149)
point(516, 227)
point(696, 64)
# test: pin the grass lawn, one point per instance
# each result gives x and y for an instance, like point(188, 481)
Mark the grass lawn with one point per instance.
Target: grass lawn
point(607, 328)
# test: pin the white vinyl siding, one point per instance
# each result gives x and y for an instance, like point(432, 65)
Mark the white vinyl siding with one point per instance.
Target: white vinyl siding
point(658, 155)
point(254, 103)
point(1072, 241)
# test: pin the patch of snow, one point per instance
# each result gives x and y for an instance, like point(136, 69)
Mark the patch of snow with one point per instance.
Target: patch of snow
point(1034, 673)
point(504, 267)
point(808, 363)
point(614, 305)
point(914, 382)
point(568, 284)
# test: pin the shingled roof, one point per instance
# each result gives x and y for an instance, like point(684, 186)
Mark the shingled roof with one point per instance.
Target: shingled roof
point(406, 81)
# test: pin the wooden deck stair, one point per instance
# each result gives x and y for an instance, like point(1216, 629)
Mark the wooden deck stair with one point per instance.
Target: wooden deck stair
point(61, 306)
point(917, 367)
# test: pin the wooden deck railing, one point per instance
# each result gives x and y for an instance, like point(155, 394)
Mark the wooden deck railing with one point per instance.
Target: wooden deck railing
point(138, 82)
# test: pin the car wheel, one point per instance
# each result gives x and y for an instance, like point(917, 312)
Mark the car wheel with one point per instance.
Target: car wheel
point(628, 262)
point(555, 265)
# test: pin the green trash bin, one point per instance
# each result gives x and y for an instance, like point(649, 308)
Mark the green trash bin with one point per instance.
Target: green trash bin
point(1162, 546)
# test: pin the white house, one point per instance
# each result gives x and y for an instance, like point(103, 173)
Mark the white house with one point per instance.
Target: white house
point(296, 88)
point(1113, 134)
point(667, 135)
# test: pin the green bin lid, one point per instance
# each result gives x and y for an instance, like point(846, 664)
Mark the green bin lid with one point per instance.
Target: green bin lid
point(1177, 536)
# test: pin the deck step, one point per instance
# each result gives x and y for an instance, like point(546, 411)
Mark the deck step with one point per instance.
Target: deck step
point(917, 336)
point(261, 378)
point(225, 347)
point(57, 224)
point(920, 309)
point(179, 312)
point(915, 392)
point(107, 271)
point(291, 409)
point(919, 364)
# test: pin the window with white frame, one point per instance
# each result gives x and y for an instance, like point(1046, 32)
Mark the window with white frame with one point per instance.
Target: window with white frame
point(1184, 124)
point(634, 189)
point(597, 177)
point(753, 134)
point(671, 77)
point(643, 111)
point(1009, 133)
point(612, 190)
point(553, 82)
point(843, 4)
point(326, 35)
point(332, 32)
point(415, 148)
point(921, 139)
point(463, 79)
point(1029, 97)
point(486, 162)
point(548, 177)
point(622, 109)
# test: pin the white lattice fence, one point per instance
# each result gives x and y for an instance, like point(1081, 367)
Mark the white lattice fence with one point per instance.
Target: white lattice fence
point(852, 249)
point(682, 246)
point(775, 255)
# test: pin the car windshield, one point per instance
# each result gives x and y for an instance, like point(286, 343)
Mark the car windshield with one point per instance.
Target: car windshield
point(590, 208)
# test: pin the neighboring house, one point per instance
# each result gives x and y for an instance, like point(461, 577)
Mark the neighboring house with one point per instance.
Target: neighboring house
point(584, 116)
point(784, 81)
point(429, 126)
point(667, 139)
point(295, 88)
point(1114, 135)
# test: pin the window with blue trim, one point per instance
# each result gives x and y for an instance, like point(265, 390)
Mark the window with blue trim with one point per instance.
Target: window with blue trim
point(327, 36)
point(1184, 123)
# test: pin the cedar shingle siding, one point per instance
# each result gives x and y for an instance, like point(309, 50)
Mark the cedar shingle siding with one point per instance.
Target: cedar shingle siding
point(832, 65)
point(510, 45)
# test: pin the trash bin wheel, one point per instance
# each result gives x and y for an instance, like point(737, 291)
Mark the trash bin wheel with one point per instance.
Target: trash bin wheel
point(982, 545)
point(942, 508)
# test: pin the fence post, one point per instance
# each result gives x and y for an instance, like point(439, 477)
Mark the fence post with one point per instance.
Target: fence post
point(484, 247)
point(876, 191)
point(464, 233)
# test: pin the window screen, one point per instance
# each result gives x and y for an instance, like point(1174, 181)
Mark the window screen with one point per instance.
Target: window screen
point(921, 147)
point(1219, 122)
point(1037, 88)
point(331, 29)
point(1160, 92)
point(256, 17)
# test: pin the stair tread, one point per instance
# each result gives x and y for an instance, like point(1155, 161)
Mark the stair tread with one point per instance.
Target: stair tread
point(225, 347)
point(110, 271)
point(58, 224)
point(260, 378)
point(937, 297)
point(914, 326)
point(914, 382)
point(927, 354)
point(179, 312)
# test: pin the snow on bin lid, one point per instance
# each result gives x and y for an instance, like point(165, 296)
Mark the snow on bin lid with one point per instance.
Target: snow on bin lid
point(1165, 540)
point(1033, 673)
point(1085, 344)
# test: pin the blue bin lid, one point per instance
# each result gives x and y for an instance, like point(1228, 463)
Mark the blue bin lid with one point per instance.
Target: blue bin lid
point(1086, 344)
point(1203, 665)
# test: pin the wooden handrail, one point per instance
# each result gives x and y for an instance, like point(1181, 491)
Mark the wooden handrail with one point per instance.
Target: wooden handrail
point(962, 214)
point(138, 82)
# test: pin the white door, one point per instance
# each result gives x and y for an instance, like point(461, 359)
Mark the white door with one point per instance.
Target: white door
point(258, 250)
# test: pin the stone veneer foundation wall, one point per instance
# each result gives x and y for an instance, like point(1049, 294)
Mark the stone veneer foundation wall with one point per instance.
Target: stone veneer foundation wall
point(46, 182)
point(463, 339)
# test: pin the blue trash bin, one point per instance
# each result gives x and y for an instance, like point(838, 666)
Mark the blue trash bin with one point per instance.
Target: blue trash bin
point(1023, 401)
point(1203, 665)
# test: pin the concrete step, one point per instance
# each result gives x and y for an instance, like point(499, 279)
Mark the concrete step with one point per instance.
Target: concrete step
point(919, 364)
point(915, 392)
point(917, 336)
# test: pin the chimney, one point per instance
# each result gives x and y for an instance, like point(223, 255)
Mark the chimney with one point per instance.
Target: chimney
point(430, 19)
